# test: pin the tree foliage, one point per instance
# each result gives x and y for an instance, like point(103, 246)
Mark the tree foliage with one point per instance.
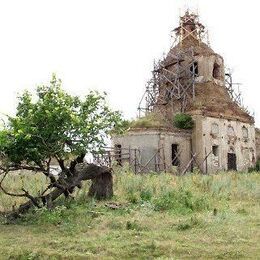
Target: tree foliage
point(54, 124)
point(183, 121)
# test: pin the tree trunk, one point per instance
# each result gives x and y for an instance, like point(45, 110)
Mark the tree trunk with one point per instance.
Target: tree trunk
point(101, 188)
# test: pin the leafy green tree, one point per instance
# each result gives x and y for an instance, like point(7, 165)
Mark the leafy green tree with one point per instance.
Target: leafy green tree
point(53, 124)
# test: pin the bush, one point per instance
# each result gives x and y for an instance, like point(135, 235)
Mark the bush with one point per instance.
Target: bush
point(183, 121)
point(257, 166)
point(146, 195)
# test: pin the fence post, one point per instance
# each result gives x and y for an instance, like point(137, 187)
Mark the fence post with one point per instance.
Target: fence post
point(135, 170)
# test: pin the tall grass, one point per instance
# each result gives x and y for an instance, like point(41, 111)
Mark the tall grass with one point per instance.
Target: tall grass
point(188, 193)
point(159, 192)
point(155, 215)
point(15, 182)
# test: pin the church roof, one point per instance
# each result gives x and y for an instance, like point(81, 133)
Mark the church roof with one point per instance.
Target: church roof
point(213, 100)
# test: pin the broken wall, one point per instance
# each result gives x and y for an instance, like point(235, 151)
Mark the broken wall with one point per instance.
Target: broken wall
point(257, 132)
point(227, 137)
point(155, 148)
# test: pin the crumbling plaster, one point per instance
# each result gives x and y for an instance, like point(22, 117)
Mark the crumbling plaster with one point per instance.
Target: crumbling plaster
point(206, 65)
point(257, 143)
point(148, 142)
point(204, 139)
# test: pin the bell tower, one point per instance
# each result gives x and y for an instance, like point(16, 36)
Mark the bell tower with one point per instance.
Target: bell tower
point(191, 78)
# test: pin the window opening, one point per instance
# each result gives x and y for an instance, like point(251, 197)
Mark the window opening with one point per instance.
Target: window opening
point(216, 71)
point(194, 68)
point(215, 150)
point(118, 154)
point(175, 159)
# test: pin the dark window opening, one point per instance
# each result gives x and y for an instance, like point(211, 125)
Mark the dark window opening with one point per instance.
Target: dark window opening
point(118, 154)
point(216, 71)
point(175, 159)
point(215, 150)
point(194, 69)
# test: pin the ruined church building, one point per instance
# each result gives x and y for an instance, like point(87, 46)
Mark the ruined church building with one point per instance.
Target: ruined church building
point(191, 79)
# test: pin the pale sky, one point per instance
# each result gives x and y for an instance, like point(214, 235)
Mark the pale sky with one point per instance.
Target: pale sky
point(110, 45)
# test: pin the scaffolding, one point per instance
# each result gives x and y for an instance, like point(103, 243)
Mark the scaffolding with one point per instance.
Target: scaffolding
point(235, 93)
point(133, 160)
point(190, 26)
point(173, 77)
point(172, 81)
point(175, 82)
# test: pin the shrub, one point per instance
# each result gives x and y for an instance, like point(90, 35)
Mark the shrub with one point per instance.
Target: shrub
point(121, 127)
point(258, 166)
point(183, 121)
point(146, 195)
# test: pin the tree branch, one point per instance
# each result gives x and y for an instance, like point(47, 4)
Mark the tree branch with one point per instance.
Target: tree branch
point(60, 162)
point(82, 172)
point(73, 163)
point(25, 194)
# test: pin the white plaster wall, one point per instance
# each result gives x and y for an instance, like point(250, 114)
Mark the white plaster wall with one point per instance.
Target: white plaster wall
point(184, 143)
point(149, 141)
point(146, 142)
point(244, 149)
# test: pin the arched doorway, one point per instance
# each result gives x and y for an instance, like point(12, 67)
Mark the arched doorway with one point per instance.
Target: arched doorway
point(231, 160)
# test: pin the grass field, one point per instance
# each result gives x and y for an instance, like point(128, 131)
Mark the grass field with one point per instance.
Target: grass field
point(156, 216)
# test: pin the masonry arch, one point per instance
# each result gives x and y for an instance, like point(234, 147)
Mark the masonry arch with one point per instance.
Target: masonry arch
point(244, 132)
point(231, 160)
point(216, 73)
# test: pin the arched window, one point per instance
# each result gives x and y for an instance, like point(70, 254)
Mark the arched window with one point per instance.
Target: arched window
point(244, 132)
point(230, 131)
point(216, 71)
point(214, 129)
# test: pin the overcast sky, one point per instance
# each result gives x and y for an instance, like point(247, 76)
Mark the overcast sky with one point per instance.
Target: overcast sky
point(110, 45)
